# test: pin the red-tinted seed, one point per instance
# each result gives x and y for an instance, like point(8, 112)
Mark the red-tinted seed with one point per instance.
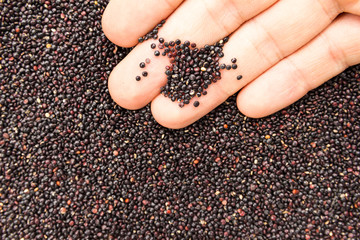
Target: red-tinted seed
point(147, 60)
point(295, 191)
point(62, 210)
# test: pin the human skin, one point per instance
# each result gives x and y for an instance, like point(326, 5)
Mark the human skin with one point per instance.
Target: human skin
point(283, 48)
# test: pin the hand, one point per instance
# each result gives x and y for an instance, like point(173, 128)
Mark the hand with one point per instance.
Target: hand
point(283, 49)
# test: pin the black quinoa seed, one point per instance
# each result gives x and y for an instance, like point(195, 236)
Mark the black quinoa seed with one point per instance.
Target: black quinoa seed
point(157, 53)
point(161, 40)
point(196, 103)
point(75, 165)
point(142, 65)
point(239, 77)
point(153, 45)
point(145, 73)
point(138, 78)
point(233, 60)
point(234, 66)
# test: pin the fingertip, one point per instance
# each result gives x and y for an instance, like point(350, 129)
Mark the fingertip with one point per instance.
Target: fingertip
point(249, 106)
point(169, 114)
point(123, 22)
point(122, 93)
point(123, 86)
point(118, 32)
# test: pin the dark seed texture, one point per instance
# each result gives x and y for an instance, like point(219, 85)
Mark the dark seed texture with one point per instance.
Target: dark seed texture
point(191, 70)
point(74, 165)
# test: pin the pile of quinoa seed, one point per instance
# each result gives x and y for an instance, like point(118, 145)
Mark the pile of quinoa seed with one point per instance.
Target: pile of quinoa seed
point(74, 165)
point(191, 69)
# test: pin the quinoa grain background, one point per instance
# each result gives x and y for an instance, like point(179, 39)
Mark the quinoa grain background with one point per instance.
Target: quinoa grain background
point(73, 165)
